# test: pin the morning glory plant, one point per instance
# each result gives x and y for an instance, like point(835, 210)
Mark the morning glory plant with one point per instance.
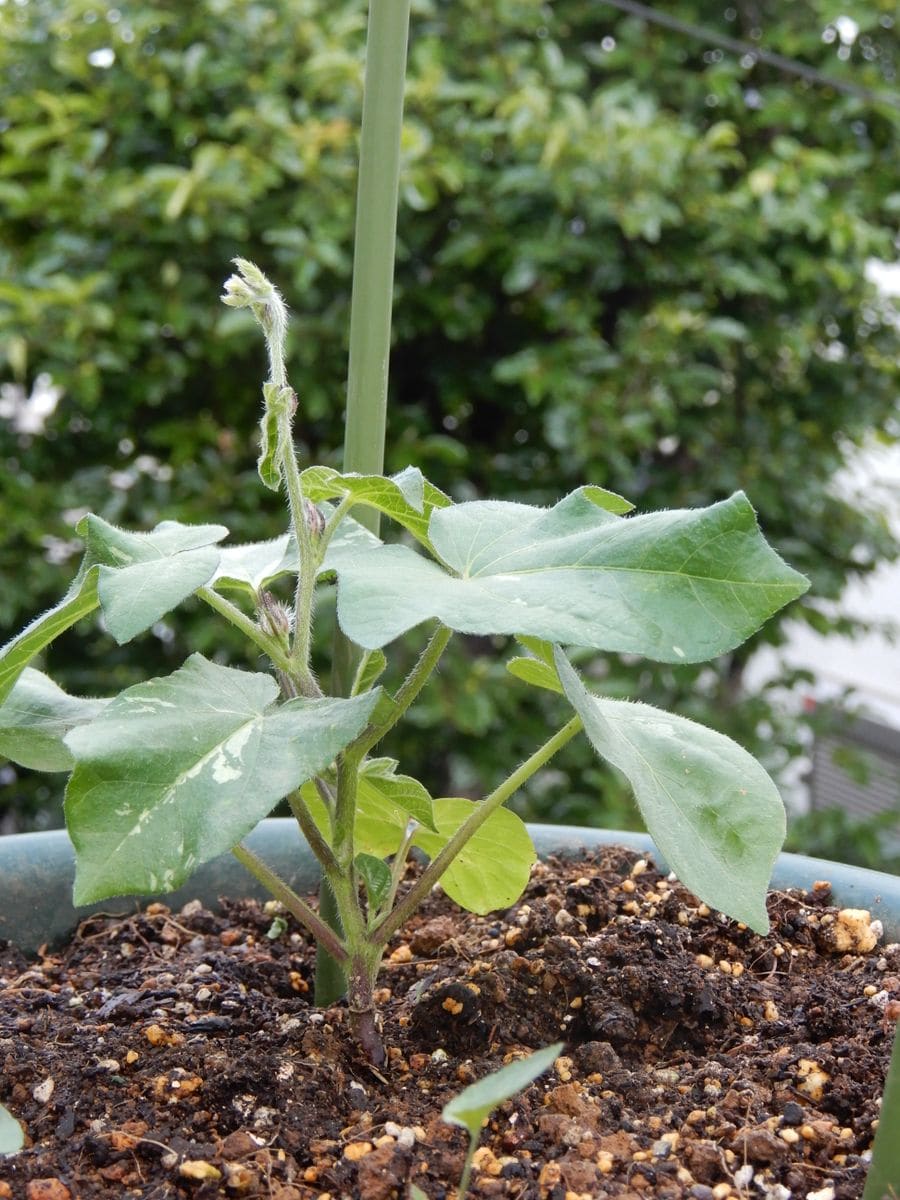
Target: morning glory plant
point(177, 770)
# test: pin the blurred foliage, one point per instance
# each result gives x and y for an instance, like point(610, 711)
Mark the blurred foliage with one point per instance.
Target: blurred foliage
point(624, 256)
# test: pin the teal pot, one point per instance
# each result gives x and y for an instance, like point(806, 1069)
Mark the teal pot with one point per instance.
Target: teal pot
point(37, 870)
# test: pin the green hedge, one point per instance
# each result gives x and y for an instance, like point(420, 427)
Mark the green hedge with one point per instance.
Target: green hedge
point(624, 256)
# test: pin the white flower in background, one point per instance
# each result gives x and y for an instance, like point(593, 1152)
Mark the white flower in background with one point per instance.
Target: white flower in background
point(29, 414)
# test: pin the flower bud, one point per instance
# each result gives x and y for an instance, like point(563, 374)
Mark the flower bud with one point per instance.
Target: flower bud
point(274, 618)
point(315, 522)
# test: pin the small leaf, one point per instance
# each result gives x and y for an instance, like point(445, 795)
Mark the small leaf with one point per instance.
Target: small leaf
point(12, 1135)
point(34, 719)
point(176, 771)
point(538, 674)
point(416, 1193)
point(376, 875)
point(610, 501)
point(492, 868)
point(371, 667)
point(268, 465)
point(476, 1102)
point(407, 498)
point(680, 586)
point(712, 810)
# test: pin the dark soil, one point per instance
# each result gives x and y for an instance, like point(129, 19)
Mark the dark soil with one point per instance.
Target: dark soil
point(177, 1054)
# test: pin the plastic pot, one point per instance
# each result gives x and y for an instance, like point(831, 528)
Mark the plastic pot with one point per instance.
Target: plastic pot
point(37, 870)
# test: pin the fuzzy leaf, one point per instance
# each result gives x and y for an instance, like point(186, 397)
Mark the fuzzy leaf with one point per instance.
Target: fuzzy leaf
point(34, 719)
point(136, 578)
point(407, 498)
point(79, 601)
point(679, 586)
point(376, 875)
point(253, 566)
point(176, 771)
point(142, 576)
point(372, 666)
point(492, 869)
point(713, 811)
point(476, 1102)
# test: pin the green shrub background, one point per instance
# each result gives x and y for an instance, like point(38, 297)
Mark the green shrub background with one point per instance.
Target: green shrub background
point(624, 257)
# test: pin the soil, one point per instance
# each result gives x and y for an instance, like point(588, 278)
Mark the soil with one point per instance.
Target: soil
point(177, 1054)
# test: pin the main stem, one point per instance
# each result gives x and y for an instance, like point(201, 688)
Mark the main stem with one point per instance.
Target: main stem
point(370, 324)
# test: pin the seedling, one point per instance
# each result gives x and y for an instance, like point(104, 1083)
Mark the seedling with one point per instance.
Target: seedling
point(474, 1105)
point(179, 769)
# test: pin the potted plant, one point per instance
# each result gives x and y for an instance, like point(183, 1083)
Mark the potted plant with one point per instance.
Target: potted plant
point(172, 773)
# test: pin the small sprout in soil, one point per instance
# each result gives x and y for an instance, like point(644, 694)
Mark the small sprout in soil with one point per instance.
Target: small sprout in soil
point(12, 1136)
point(471, 1108)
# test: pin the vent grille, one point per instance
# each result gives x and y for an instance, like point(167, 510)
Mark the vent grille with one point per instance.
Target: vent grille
point(857, 769)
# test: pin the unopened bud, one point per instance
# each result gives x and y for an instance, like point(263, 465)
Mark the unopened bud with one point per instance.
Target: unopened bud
point(274, 618)
point(315, 522)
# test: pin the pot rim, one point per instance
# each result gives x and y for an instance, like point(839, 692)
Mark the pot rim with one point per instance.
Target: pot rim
point(37, 871)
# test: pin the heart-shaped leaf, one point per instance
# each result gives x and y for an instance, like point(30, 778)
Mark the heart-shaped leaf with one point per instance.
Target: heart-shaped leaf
point(679, 586)
point(407, 498)
point(176, 771)
point(136, 577)
point(492, 868)
point(710, 807)
point(385, 802)
point(34, 719)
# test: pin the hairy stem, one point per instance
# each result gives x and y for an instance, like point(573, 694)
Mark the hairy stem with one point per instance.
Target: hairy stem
point(247, 626)
point(292, 902)
point(408, 691)
point(310, 831)
point(430, 876)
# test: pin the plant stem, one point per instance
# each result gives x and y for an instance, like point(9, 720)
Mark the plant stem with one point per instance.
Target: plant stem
point(247, 626)
point(310, 831)
point(372, 295)
point(306, 572)
point(388, 927)
point(408, 690)
point(375, 237)
point(292, 902)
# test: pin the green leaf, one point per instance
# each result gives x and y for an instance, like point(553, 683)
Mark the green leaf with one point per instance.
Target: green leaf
point(371, 667)
point(34, 719)
point(142, 576)
point(680, 586)
point(176, 771)
point(712, 810)
point(416, 1193)
point(12, 1135)
point(384, 805)
point(493, 867)
point(349, 541)
point(79, 601)
point(251, 567)
point(476, 1102)
point(407, 498)
point(376, 875)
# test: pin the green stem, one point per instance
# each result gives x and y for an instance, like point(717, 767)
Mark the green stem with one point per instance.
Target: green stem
point(375, 238)
point(310, 831)
point(371, 299)
point(385, 929)
point(292, 902)
point(248, 627)
point(340, 511)
point(306, 573)
point(884, 1173)
point(409, 689)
